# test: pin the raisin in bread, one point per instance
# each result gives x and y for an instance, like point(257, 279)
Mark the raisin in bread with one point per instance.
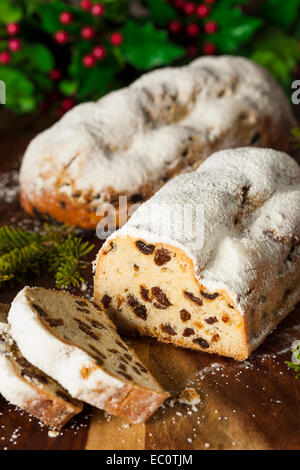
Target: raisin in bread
point(135, 139)
point(72, 340)
point(212, 261)
point(27, 387)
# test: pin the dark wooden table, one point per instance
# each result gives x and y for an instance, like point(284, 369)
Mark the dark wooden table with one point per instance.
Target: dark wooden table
point(249, 405)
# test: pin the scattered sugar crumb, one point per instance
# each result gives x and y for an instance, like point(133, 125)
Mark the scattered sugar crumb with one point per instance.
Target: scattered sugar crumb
point(189, 396)
point(53, 433)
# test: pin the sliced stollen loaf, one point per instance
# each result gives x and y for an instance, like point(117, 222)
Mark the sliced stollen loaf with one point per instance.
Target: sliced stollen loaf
point(133, 140)
point(73, 340)
point(27, 387)
point(222, 292)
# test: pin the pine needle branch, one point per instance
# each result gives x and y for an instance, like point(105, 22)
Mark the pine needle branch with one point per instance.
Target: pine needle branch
point(56, 249)
point(295, 132)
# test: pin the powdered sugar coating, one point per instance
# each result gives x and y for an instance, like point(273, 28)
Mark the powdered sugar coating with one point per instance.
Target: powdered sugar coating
point(131, 137)
point(251, 219)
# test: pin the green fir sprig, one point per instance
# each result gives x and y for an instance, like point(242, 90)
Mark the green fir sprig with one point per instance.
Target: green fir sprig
point(296, 137)
point(294, 365)
point(56, 249)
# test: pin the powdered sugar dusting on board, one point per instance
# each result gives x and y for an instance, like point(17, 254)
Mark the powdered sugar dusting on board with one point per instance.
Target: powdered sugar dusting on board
point(9, 186)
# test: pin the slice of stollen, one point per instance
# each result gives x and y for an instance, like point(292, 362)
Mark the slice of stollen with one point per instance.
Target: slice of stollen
point(73, 340)
point(27, 387)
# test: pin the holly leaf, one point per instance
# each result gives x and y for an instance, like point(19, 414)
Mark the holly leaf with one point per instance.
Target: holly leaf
point(145, 47)
point(97, 81)
point(116, 10)
point(68, 87)
point(42, 58)
point(279, 12)
point(161, 11)
point(49, 15)
point(20, 91)
point(235, 28)
point(10, 12)
point(43, 82)
point(34, 56)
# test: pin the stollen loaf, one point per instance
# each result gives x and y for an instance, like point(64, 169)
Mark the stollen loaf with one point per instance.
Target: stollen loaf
point(132, 141)
point(223, 284)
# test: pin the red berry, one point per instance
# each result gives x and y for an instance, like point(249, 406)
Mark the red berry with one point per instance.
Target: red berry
point(85, 4)
point(87, 32)
point(179, 4)
point(192, 29)
point(211, 27)
point(67, 103)
point(189, 8)
point(55, 74)
point(12, 29)
point(61, 37)
point(99, 52)
point(192, 50)
point(66, 17)
point(14, 45)
point(89, 61)
point(116, 39)
point(202, 11)
point(98, 9)
point(5, 57)
point(209, 48)
point(175, 26)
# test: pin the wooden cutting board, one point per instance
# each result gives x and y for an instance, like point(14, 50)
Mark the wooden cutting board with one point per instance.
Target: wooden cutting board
point(249, 405)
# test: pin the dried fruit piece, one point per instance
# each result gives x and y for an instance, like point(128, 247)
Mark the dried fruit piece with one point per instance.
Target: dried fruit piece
point(55, 322)
point(145, 294)
point(193, 298)
point(162, 256)
point(215, 338)
point(88, 332)
point(127, 376)
point(209, 296)
point(167, 328)
point(139, 309)
point(161, 297)
point(40, 311)
point(96, 324)
point(188, 332)
point(185, 315)
point(106, 300)
point(211, 320)
point(30, 374)
point(201, 342)
point(144, 248)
